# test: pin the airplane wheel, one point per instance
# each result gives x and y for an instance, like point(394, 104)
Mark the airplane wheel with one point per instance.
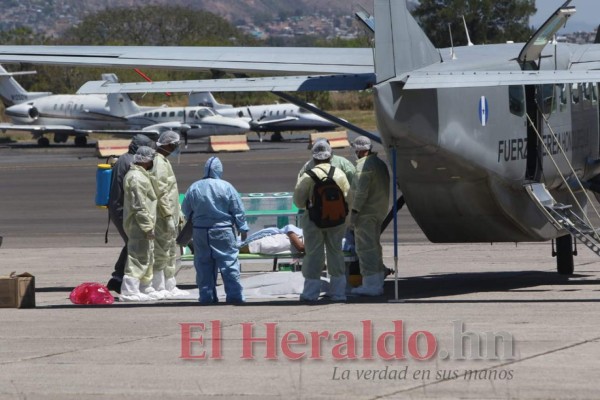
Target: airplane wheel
point(43, 142)
point(564, 255)
point(276, 137)
point(80, 141)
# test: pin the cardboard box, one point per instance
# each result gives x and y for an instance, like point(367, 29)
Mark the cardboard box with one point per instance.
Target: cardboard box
point(17, 291)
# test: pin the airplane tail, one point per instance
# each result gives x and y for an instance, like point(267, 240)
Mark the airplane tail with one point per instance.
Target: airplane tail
point(205, 99)
point(122, 105)
point(11, 92)
point(399, 37)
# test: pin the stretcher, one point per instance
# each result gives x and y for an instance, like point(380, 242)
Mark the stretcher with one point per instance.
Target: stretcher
point(288, 258)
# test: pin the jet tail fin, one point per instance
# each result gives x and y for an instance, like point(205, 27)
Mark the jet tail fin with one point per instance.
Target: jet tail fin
point(11, 92)
point(205, 99)
point(401, 45)
point(121, 104)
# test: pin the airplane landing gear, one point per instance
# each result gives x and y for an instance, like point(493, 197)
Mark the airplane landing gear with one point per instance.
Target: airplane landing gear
point(43, 142)
point(564, 255)
point(276, 137)
point(80, 141)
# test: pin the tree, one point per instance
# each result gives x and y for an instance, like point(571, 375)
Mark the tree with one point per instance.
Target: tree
point(488, 21)
point(149, 25)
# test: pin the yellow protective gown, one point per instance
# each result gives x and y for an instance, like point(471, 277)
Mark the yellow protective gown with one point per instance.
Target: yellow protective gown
point(139, 213)
point(317, 240)
point(369, 195)
point(167, 215)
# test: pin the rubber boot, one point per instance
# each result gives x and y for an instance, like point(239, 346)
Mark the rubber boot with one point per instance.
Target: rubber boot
point(337, 288)
point(311, 291)
point(130, 290)
point(372, 285)
point(158, 283)
point(174, 292)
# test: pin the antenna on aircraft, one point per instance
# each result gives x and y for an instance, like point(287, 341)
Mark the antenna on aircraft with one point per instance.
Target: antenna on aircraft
point(452, 53)
point(469, 43)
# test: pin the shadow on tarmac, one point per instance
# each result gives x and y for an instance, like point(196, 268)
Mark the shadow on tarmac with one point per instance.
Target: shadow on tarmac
point(420, 289)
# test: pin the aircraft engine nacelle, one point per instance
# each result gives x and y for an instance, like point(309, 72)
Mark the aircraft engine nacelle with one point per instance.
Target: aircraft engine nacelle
point(33, 113)
point(22, 113)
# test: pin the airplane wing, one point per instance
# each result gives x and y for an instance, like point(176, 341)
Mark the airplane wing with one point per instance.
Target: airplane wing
point(284, 60)
point(269, 122)
point(438, 80)
point(278, 84)
point(40, 129)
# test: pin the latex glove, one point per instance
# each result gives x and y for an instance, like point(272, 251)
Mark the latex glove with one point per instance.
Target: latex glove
point(353, 219)
point(150, 235)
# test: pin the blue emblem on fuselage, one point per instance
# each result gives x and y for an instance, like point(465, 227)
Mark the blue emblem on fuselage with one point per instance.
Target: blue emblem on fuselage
point(484, 111)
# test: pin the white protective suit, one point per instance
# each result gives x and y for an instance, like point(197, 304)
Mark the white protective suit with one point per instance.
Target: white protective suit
point(139, 212)
point(167, 220)
point(317, 240)
point(369, 196)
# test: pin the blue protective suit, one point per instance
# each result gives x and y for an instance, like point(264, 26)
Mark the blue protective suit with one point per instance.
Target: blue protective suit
point(216, 210)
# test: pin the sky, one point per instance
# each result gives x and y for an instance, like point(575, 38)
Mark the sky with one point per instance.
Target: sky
point(587, 17)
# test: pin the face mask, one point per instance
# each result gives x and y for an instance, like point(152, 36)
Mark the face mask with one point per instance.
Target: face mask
point(176, 152)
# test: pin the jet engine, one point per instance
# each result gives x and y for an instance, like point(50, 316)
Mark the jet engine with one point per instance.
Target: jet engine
point(33, 113)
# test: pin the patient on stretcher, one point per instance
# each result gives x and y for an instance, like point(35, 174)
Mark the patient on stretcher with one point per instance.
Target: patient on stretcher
point(273, 241)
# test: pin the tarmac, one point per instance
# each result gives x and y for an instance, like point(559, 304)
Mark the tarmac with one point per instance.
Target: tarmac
point(473, 321)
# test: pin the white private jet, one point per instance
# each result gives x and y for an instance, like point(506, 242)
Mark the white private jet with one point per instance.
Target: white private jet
point(266, 118)
point(191, 122)
point(63, 115)
point(78, 115)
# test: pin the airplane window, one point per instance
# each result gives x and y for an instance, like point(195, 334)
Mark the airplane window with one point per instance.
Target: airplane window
point(575, 93)
point(240, 114)
point(303, 110)
point(156, 114)
point(62, 107)
point(590, 92)
point(271, 113)
point(284, 112)
point(55, 106)
point(172, 114)
point(516, 100)
point(163, 114)
point(546, 95)
point(205, 112)
point(277, 113)
point(180, 113)
point(563, 96)
point(191, 114)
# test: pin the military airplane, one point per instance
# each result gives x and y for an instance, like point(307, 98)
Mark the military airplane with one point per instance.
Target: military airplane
point(493, 143)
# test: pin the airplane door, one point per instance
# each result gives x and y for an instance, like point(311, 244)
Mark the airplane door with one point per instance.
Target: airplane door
point(534, 148)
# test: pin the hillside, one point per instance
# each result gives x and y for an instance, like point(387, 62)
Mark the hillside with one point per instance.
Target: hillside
point(52, 17)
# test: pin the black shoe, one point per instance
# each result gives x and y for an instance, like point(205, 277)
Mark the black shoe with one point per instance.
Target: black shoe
point(114, 284)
